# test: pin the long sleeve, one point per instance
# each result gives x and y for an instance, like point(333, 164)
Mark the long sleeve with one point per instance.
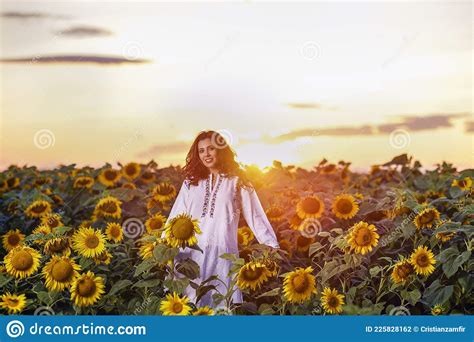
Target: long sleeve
point(256, 218)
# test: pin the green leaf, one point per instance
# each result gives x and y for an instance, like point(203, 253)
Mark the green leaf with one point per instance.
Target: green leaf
point(271, 293)
point(119, 285)
point(189, 268)
point(147, 283)
point(437, 293)
point(163, 253)
point(144, 266)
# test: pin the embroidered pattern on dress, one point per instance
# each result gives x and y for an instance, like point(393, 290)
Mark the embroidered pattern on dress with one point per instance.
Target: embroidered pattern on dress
point(213, 202)
point(206, 199)
point(237, 199)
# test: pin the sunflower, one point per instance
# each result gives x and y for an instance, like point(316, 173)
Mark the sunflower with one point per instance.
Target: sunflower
point(303, 243)
point(359, 196)
point(423, 260)
point(252, 275)
point(463, 184)
point(310, 207)
point(445, 236)
point(12, 303)
point(246, 230)
point(272, 266)
point(299, 285)
point(114, 232)
point(109, 206)
point(52, 220)
point(243, 238)
point(57, 199)
point(83, 182)
point(87, 289)
point(57, 246)
point(131, 170)
point(60, 272)
point(295, 222)
point(104, 258)
point(164, 192)
point(155, 223)
point(109, 177)
point(437, 310)
point(332, 301)
point(182, 230)
point(363, 237)
point(401, 271)
point(38, 208)
point(43, 231)
point(129, 185)
point(88, 242)
point(175, 305)
point(13, 182)
point(286, 246)
point(345, 207)
point(147, 177)
point(146, 249)
point(275, 214)
point(12, 239)
point(21, 262)
point(427, 218)
point(204, 311)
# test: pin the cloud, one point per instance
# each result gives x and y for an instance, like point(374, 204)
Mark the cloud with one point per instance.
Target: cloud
point(165, 149)
point(31, 15)
point(308, 105)
point(469, 126)
point(84, 31)
point(407, 122)
point(74, 59)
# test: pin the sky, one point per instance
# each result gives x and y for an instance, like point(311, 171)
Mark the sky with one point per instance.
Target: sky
point(93, 82)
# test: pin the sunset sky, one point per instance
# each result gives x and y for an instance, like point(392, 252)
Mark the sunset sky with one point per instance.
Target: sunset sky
point(89, 83)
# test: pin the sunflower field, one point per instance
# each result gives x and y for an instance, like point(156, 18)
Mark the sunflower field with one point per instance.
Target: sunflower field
point(396, 240)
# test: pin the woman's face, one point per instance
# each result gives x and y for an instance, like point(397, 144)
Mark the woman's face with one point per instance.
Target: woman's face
point(207, 153)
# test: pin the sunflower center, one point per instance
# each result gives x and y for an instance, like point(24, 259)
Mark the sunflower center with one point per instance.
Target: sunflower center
point(164, 190)
point(311, 205)
point(240, 238)
point(12, 302)
point(156, 224)
point(427, 217)
point(13, 239)
point(130, 170)
point(462, 183)
point(333, 301)
point(344, 206)
point(300, 283)
point(363, 237)
point(92, 241)
point(253, 274)
point(11, 182)
point(110, 175)
point(62, 271)
point(177, 307)
point(303, 241)
point(404, 271)
point(39, 208)
point(86, 287)
point(109, 207)
point(57, 246)
point(22, 260)
point(422, 260)
point(115, 231)
point(182, 229)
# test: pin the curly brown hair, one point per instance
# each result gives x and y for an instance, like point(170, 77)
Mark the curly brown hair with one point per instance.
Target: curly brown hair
point(195, 170)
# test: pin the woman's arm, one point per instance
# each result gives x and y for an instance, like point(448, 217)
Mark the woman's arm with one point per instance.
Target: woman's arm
point(256, 218)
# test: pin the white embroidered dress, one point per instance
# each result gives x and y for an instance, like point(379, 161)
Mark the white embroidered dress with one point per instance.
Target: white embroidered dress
point(218, 209)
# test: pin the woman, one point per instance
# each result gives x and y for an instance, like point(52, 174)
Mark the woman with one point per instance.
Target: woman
point(215, 191)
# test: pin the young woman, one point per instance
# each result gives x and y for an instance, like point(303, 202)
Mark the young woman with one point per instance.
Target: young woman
point(215, 191)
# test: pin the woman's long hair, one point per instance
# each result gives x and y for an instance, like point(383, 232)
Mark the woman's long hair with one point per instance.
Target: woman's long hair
point(194, 170)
